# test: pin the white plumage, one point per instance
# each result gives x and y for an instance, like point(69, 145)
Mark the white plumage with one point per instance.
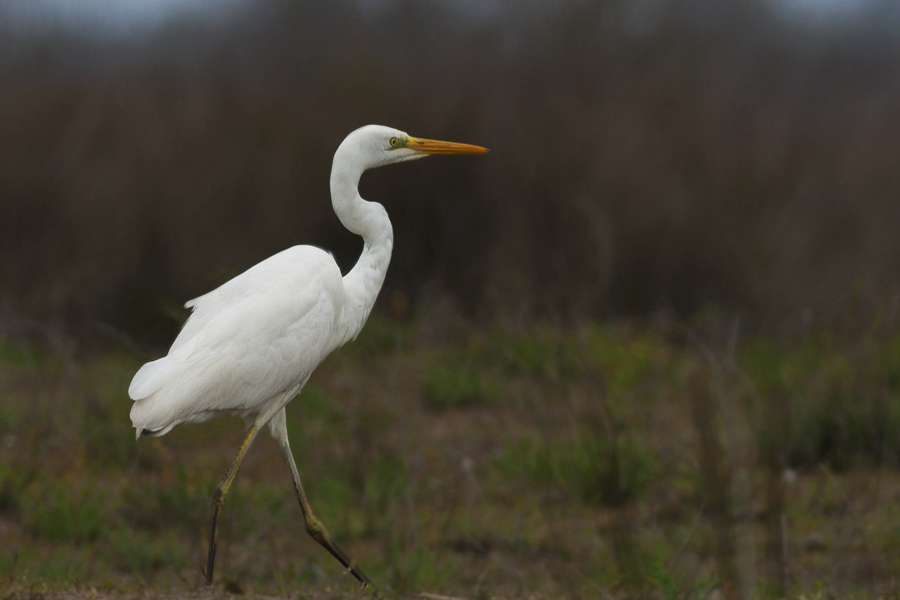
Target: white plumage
point(246, 343)
point(251, 344)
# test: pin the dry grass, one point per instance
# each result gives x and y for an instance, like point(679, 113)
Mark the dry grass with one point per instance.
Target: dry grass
point(583, 477)
point(741, 162)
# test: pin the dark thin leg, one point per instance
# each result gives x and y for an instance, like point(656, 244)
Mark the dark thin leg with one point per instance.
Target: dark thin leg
point(314, 526)
point(218, 500)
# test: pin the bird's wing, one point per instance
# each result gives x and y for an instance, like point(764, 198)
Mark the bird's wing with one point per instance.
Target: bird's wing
point(289, 271)
point(256, 336)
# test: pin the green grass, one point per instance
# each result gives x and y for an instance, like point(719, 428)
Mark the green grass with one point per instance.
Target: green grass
point(453, 384)
point(63, 513)
point(843, 407)
point(144, 554)
point(547, 462)
point(595, 470)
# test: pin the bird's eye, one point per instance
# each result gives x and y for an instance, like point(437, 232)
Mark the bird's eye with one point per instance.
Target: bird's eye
point(394, 142)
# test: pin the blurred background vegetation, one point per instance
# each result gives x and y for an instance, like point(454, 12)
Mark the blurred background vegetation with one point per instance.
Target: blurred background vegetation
point(687, 156)
point(647, 346)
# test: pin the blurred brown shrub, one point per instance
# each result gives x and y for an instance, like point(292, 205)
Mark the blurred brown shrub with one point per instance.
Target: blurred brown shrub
point(702, 156)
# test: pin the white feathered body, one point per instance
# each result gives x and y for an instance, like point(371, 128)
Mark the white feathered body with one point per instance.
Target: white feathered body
point(254, 340)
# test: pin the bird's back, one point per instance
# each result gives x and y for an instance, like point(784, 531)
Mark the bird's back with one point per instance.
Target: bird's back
point(248, 343)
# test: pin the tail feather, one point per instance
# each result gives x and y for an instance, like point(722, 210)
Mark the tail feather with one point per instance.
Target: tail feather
point(147, 380)
point(152, 413)
point(168, 392)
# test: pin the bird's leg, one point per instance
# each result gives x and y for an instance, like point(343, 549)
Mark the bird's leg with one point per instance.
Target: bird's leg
point(218, 500)
point(314, 526)
point(316, 529)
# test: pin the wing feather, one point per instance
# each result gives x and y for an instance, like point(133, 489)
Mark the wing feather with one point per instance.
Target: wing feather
point(246, 342)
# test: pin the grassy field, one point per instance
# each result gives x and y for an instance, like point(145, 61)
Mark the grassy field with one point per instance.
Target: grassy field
point(615, 460)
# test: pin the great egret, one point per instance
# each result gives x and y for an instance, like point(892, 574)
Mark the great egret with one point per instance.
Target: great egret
point(251, 344)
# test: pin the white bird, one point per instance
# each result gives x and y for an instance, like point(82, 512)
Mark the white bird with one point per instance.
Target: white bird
point(251, 344)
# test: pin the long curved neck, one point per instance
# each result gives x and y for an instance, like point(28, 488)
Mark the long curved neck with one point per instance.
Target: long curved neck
point(370, 220)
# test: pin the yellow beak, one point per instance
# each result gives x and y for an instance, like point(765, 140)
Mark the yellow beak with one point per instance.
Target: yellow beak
point(437, 147)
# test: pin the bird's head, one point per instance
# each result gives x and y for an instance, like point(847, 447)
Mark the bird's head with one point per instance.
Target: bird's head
point(376, 145)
